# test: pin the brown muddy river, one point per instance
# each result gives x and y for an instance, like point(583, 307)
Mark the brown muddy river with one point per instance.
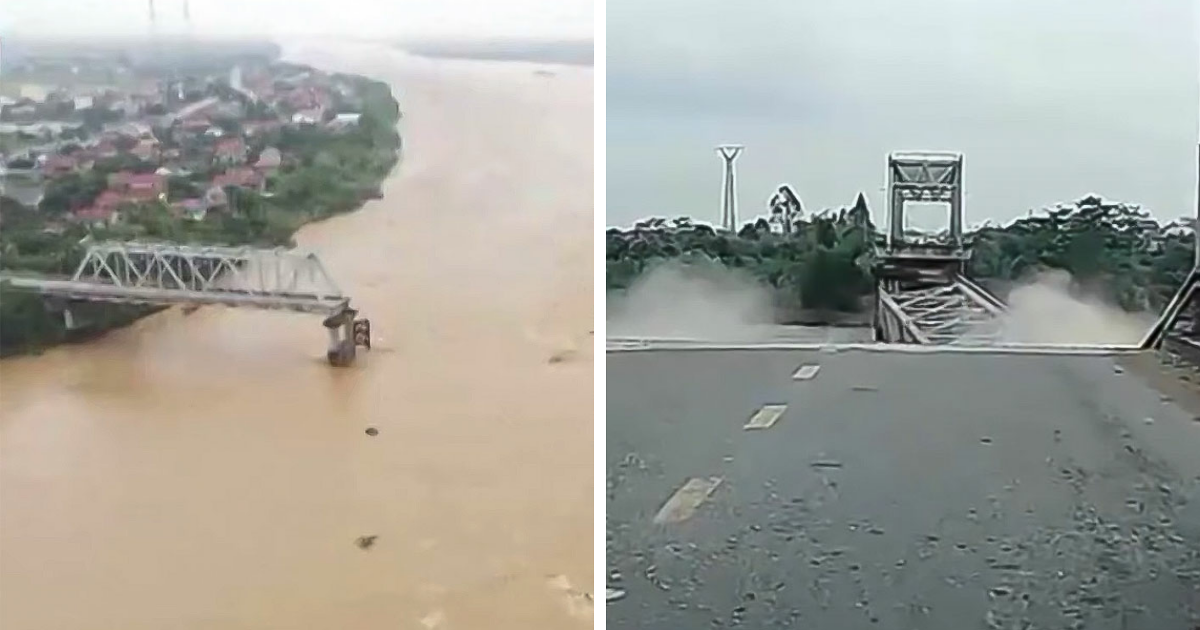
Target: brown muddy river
point(211, 471)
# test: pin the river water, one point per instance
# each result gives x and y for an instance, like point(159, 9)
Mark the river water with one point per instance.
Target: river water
point(211, 471)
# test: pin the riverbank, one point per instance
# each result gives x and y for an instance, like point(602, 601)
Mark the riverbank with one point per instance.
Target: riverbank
point(211, 471)
point(323, 172)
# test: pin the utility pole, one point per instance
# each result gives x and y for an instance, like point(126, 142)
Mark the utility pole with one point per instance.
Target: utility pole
point(729, 218)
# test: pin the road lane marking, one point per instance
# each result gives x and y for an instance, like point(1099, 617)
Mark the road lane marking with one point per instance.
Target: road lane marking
point(683, 504)
point(807, 372)
point(766, 417)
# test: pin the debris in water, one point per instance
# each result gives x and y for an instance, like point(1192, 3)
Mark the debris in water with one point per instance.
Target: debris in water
point(561, 356)
point(365, 542)
point(1118, 369)
point(864, 388)
point(985, 440)
point(827, 463)
point(1148, 420)
point(613, 595)
point(372, 431)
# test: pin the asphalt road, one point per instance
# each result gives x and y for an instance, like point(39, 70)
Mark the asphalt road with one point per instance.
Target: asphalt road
point(899, 491)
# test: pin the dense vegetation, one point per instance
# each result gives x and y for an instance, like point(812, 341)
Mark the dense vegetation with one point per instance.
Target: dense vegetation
point(326, 174)
point(826, 262)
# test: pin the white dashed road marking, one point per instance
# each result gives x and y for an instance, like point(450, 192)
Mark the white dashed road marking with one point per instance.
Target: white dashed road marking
point(806, 372)
point(766, 417)
point(683, 504)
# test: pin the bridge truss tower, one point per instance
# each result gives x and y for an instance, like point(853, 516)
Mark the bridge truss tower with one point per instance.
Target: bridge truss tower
point(923, 295)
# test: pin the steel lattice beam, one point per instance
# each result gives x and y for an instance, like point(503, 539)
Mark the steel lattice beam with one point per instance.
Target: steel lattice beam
point(954, 313)
point(159, 273)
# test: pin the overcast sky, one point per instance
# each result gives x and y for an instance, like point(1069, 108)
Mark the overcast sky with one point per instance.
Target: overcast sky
point(1048, 99)
point(406, 18)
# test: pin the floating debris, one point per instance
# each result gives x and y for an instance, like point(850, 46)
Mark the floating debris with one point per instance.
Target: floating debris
point(365, 542)
point(827, 463)
point(985, 440)
point(372, 431)
point(613, 594)
point(1118, 369)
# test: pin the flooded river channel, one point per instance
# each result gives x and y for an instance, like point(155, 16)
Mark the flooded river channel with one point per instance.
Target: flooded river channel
point(209, 470)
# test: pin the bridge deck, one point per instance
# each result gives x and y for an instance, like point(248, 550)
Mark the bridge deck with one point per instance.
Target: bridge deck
point(934, 491)
point(145, 295)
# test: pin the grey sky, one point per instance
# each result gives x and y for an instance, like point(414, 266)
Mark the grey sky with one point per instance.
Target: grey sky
point(409, 18)
point(1049, 99)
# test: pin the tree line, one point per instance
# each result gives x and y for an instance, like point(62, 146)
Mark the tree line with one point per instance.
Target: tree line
point(826, 262)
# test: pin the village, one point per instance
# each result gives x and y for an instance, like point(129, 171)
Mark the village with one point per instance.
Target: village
point(200, 145)
point(87, 154)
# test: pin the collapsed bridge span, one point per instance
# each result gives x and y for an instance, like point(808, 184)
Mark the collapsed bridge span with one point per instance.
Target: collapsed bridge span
point(923, 295)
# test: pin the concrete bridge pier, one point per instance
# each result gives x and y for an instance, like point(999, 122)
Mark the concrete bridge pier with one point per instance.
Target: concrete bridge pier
point(345, 335)
point(60, 305)
point(342, 349)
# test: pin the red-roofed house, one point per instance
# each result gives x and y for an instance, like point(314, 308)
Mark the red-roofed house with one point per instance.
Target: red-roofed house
point(108, 199)
point(138, 186)
point(230, 151)
point(103, 210)
point(146, 187)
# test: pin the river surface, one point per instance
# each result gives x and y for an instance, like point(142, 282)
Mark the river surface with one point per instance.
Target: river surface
point(211, 471)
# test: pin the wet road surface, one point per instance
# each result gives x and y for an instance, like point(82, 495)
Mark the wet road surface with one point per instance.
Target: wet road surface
point(898, 491)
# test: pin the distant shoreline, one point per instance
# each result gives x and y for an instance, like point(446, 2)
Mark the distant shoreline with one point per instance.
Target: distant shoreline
point(560, 52)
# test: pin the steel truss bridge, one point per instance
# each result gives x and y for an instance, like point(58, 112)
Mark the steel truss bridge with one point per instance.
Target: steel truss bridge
point(166, 274)
point(923, 295)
